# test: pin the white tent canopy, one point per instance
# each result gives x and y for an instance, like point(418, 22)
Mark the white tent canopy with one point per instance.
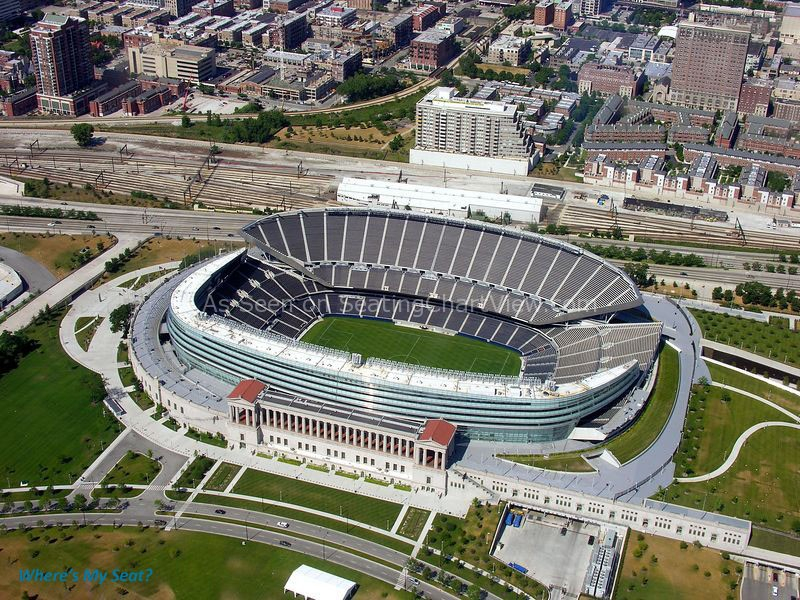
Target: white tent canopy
point(314, 584)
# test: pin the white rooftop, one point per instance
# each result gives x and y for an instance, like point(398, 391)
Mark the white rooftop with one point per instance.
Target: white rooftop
point(391, 194)
point(445, 97)
point(314, 584)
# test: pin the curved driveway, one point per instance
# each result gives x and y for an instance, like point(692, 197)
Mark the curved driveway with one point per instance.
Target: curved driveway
point(36, 277)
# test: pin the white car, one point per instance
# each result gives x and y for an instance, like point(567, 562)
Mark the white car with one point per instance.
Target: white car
point(774, 590)
point(283, 524)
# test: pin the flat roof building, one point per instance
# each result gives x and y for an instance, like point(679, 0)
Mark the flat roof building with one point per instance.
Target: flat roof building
point(451, 131)
point(188, 63)
point(708, 66)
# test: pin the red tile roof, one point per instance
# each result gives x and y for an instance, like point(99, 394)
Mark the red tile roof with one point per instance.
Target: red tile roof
point(439, 431)
point(247, 389)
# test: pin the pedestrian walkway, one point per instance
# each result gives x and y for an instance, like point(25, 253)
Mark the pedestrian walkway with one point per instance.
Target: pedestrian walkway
point(421, 540)
point(398, 521)
point(737, 447)
point(71, 284)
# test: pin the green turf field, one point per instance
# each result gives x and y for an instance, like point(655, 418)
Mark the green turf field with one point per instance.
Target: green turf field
point(381, 339)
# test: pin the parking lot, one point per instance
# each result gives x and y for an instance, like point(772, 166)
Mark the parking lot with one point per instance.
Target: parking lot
point(767, 583)
point(555, 559)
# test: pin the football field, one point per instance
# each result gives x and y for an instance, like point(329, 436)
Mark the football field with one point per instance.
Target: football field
point(381, 339)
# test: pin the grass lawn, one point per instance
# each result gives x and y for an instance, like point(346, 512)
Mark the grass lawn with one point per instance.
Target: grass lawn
point(52, 420)
point(778, 542)
point(133, 469)
point(381, 339)
point(371, 511)
point(334, 141)
point(572, 462)
point(649, 424)
point(127, 376)
point(78, 193)
point(779, 396)
point(206, 438)
point(413, 522)
point(765, 339)
point(222, 477)
point(57, 253)
point(636, 439)
point(300, 515)
point(85, 328)
point(468, 539)
point(194, 474)
point(678, 573)
point(181, 563)
point(142, 399)
point(714, 424)
point(158, 250)
point(762, 485)
point(122, 353)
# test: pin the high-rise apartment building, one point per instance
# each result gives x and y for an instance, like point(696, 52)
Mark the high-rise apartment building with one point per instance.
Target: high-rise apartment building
point(708, 66)
point(10, 9)
point(466, 133)
point(61, 63)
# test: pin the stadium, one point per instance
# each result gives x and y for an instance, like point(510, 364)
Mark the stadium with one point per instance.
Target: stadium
point(511, 336)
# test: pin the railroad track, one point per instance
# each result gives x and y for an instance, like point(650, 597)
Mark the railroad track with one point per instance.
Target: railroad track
point(231, 184)
point(584, 219)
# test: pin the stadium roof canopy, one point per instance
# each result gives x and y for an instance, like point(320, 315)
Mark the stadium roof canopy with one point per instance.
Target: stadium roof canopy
point(314, 584)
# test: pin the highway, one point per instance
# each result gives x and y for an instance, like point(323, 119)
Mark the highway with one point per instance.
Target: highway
point(225, 226)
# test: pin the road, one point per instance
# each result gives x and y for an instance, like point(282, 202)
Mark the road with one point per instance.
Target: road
point(35, 276)
point(249, 535)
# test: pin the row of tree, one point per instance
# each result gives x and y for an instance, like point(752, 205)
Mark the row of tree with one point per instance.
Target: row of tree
point(258, 130)
point(665, 257)
point(48, 213)
point(363, 86)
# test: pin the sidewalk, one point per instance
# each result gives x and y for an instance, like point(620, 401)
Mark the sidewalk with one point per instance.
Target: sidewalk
point(71, 284)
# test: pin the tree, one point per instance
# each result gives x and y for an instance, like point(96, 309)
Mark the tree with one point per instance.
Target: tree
point(474, 592)
point(120, 318)
point(396, 143)
point(639, 273)
point(186, 122)
point(83, 133)
point(80, 501)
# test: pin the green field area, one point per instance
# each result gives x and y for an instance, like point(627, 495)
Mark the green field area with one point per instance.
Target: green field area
point(181, 564)
point(413, 522)
point(678, 572)
point(773, 393)
point(715, 420)
point(775, 541)
point(372, 511)
point(52, 420)
point(761, 486)
point(765, 339)
point(381, 339)
point(85, 328)
point(133, 469)
point(307, 517)
point(222, 477)
point(632, 442)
